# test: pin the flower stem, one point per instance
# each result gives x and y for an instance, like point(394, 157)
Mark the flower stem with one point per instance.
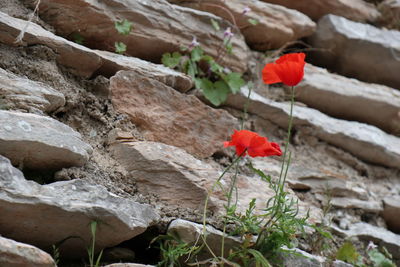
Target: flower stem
point(282, 176)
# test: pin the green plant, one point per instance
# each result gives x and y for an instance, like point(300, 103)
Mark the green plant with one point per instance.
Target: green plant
point(56, 254)
point(215, 81)
point(374, 258)
point(172, 250)
point(123, 27)
point(91, 248)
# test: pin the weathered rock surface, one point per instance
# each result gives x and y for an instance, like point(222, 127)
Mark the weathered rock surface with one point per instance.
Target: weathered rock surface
point(158, 27)
point(177, 178)
point(112, 63)
point(364, 141)
point(77, 58)
point(357, 10)
point(15, 254)
point(350, 99)
point(353, 203)
point(84, 61)
point(165, 115)
point(380, 236)
point(318, 180)
point(358, 50)
point(276, 25)
point(390, 14)
point(47, 214)
point(37, 142)
point(24, 94)
point(391, 212)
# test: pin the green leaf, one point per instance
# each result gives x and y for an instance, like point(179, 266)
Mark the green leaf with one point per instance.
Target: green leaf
point(347, 253)
point(215, 67)
point(235, 81)
point(171, 60)
point(379, 259)
point(216, 92)
point(191, 69)
point(260, 259)
point(197, 53)
point(79, 39)
point(123, 27)
point(215, 24)
point(253, 21)
point(120, 47)
point(229, 48)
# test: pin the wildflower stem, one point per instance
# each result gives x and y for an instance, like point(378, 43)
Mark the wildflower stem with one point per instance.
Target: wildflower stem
point(282, 176)
point(245, 108)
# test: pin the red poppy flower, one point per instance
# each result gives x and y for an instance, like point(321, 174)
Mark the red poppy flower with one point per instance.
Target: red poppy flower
point(253, 144)
point(288, 69)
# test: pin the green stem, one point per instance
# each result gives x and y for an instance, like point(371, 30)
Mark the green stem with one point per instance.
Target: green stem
point(283, 173)
point(233, 185)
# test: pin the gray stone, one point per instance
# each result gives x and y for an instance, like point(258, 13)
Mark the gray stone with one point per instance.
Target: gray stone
point(24, 94)
point(352, 203)
point(190, 233)
point(165, 115)
point(350, 99)
point(358, 50)
point(380, 236)
point(83, 61)
point(276, 25)
point(112, 63)
point(391, 212)
point(37, 142)
point(48, 214)
point(77, 58)
point(364, 141)
point(357, 10)
point(158, 27)
point(15, 254)
point(179, 179)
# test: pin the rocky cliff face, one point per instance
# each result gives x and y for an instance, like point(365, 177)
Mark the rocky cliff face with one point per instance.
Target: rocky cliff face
point(88, 135)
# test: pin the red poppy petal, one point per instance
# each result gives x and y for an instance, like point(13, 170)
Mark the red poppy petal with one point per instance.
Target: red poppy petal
point(296, 57)
point(291, 73)
point(268, 74)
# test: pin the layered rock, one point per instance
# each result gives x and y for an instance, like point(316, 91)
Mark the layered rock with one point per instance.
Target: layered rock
point(83, 61)
point(112, 63)
point(40, 143)
point(364, 141)
point(391, 212)
point(390, 14)
point(158, 27)
point(179, 179)
point(275, 27)
point(15, 254)
point(165, 115)
point(357, 10)
point(24, 94)
point(358, 50)
point(48, 214)
point(350, 99)
point(77, 58)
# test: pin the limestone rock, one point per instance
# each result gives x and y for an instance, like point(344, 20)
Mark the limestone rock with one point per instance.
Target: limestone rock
point(352, 203)
point(364, 141)
point(37, 142)
point(24, 94)
point(391, 212)
point(189, 232)
point(358, 50)
point(357, 10)
point(165, 115)
point(390, 14)
point(276, 25)
point(15, 254)
point(350, 99)
point(179, 179)
point(47, 214)
point(77, 58)
point(158, 27)
point(380, 236)
point(83, 61)
point(112, 63)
